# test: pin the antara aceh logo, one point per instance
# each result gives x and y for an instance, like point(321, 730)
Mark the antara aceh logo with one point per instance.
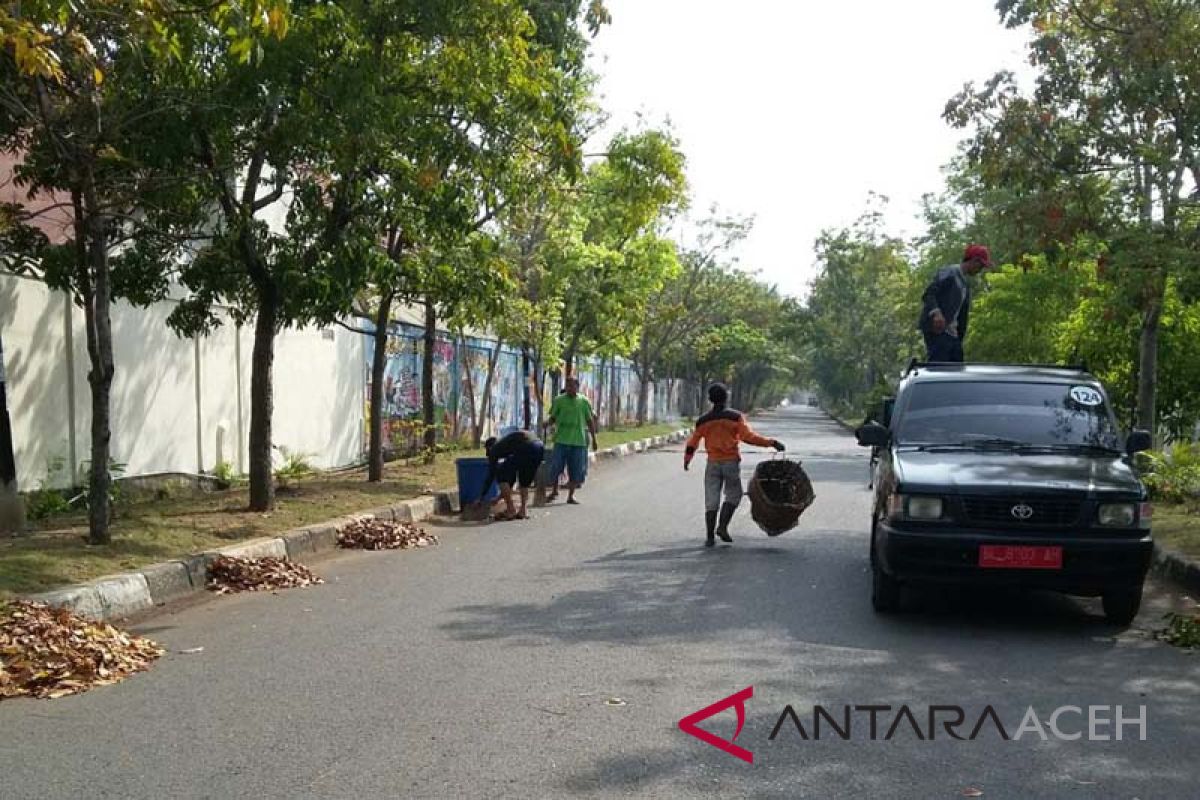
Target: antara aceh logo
point(736, 700)
point(885, 722)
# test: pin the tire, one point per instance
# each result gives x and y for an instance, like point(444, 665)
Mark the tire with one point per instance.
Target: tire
point(1121, 605)
point(885, 591)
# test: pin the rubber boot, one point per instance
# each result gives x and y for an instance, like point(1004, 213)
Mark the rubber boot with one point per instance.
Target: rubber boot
point(727, 510)
point(710, 525)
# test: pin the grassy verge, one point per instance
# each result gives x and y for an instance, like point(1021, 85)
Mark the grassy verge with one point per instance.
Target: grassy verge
point(1177, 527)
point(146, 532)
point(622, 435)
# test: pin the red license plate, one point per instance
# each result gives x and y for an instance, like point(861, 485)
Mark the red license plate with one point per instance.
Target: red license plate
point(1007, 556)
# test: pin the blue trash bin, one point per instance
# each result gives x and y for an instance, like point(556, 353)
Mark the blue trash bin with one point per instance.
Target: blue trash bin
point(471, 474)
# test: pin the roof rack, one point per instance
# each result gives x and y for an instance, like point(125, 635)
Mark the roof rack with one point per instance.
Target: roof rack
point(916, 364)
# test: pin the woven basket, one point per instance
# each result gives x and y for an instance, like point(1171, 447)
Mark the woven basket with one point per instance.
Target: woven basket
point(779, 478)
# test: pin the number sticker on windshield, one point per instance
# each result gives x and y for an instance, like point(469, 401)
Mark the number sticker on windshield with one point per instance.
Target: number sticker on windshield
point(1086, 396)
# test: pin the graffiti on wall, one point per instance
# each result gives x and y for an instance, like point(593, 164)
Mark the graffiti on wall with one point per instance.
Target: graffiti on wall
point(460, 374)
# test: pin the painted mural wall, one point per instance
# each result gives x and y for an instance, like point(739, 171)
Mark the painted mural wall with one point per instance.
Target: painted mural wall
point(459, 376)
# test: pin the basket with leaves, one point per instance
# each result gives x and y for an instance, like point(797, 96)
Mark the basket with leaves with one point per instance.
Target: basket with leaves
point(779, 493)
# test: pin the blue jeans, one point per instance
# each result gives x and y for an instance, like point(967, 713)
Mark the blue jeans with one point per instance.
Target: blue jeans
point(574, 459)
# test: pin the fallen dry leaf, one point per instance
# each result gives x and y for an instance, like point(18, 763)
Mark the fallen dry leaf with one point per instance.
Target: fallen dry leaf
point(51, 653)
point(972, 792)
point(228, 574)
point(378, 535)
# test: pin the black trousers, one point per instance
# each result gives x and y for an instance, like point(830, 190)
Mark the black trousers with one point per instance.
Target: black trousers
point(943, 347)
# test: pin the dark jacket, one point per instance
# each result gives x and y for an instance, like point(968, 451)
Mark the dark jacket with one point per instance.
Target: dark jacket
point(945, 294)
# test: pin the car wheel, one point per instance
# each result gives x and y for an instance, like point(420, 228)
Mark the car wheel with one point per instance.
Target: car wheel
point(1121, 605)
point(885, 590)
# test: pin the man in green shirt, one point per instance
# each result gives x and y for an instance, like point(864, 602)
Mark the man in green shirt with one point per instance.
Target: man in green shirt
point(573, 422)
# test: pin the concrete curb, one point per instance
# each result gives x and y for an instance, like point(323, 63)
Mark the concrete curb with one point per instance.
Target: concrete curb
point(129, 593)
point(1176, 567)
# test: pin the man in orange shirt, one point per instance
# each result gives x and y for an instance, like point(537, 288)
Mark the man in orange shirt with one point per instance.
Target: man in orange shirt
point(723, 429)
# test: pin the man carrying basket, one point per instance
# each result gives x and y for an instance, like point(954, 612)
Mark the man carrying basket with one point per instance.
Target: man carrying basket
point(723, 429)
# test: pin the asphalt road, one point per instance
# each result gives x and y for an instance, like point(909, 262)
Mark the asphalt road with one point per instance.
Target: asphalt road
point(553, 658)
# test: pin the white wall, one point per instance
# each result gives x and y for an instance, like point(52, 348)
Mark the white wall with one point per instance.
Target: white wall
point(175, 404)
point(320, 394)
point(220, 429)
point(36, 366)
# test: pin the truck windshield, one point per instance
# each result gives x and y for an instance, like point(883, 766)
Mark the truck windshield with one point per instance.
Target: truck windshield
point(1005, 413)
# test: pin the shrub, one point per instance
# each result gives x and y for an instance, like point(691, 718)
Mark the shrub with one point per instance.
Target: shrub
point(44, 501)
point(116, 469)
point(1173, 475)
point(224, 472)
point(295, 465)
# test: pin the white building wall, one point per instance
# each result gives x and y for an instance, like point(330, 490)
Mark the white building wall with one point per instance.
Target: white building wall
point(221, 428)
point(175, 402)
point(32, 322)
point(153, 408)
point(319, 395)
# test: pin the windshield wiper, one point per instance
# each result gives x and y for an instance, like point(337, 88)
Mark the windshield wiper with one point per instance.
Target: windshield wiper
point(1077, 446)
point(966, 445)
point(993, 441)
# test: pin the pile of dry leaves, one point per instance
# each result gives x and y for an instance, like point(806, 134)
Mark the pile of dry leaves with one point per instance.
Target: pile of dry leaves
point(377, 535)
point(229, 574)
point(50, 652)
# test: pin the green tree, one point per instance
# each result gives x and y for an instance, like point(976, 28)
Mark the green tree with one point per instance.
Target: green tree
point(359, 101)
point(617, 260)
point(683, 307)
point(1114, 115)
point(860, 316)
point(83, 106)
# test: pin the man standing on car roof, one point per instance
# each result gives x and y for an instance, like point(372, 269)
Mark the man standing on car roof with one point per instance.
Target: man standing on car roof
point(723, 429)
point(946, 306)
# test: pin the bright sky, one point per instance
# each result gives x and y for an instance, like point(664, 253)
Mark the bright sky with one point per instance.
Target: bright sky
point(792, 111)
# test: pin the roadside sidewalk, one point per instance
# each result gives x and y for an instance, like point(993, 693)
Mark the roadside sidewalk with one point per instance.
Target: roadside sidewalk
point(140, 591)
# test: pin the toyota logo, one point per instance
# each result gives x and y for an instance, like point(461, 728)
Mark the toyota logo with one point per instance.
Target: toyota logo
point(1022, 511)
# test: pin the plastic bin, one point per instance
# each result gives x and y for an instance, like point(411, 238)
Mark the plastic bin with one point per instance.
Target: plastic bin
point(471, 474)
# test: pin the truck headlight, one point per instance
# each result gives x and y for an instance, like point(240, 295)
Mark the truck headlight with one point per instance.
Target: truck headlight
point(924, 508)
point(1117, 515)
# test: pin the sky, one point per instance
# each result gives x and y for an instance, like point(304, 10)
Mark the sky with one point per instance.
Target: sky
point(793, 111)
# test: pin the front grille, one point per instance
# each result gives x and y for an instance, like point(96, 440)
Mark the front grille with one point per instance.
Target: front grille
point(1030, 512)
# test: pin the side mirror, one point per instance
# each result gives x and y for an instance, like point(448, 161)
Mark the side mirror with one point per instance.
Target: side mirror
point(1138, 441)
point(872, 435)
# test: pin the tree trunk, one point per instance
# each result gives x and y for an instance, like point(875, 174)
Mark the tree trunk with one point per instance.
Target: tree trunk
point(526, 380)
point(12, 508)
point(262, 399)
point(427, 407)
point(485, 404)
point(601, 388)
point(1148, 367)
point(469, 376)
point(643, 395)
point(378, 366)
point(612, 396)
point(94, 286)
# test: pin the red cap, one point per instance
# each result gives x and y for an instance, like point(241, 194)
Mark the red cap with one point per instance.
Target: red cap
point(978, 252)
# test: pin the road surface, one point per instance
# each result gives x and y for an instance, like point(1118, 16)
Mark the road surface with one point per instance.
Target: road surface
point(553, 658)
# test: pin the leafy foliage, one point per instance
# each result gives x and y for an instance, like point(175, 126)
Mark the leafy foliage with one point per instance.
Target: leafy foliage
point(1173, 475)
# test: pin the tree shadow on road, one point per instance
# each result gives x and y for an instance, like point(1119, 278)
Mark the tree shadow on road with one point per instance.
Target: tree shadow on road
point(793, 618)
